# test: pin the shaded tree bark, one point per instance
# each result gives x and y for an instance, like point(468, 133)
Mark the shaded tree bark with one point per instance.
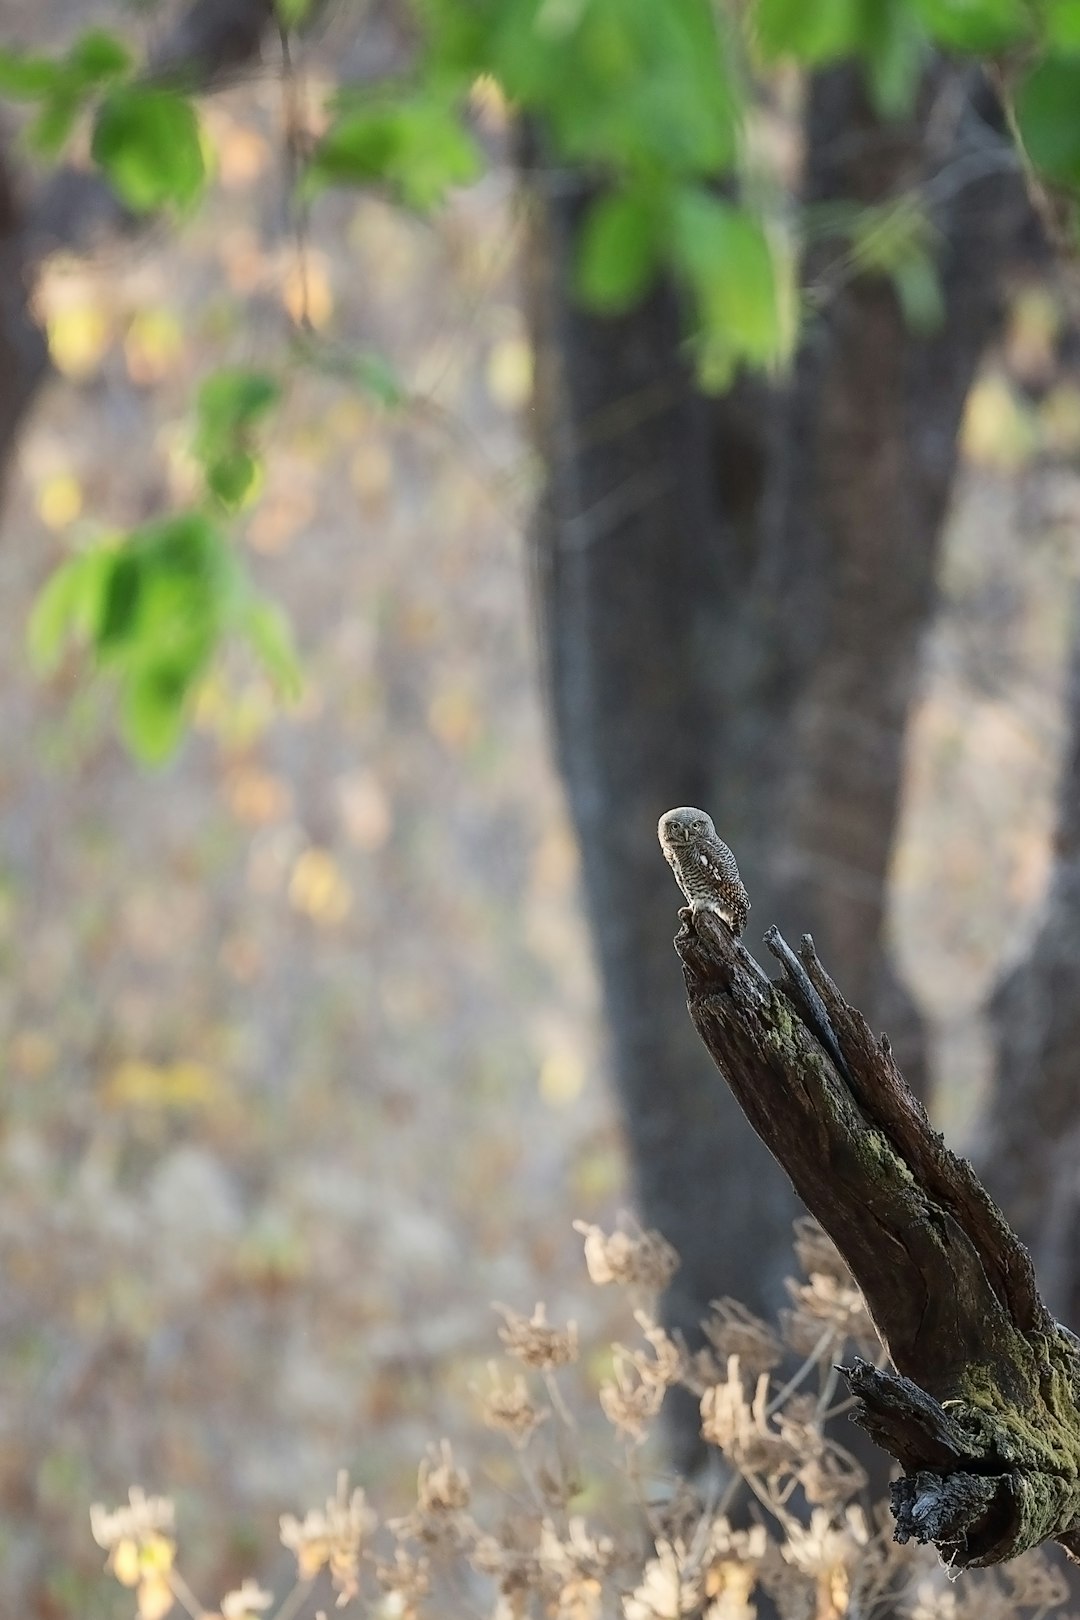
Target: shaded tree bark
point(630, 576)
point(864, 469)
point(1030, 1154)
point(732, 596)
point(24, 356)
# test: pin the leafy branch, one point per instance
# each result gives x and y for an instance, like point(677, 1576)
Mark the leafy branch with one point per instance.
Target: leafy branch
point(648, 110)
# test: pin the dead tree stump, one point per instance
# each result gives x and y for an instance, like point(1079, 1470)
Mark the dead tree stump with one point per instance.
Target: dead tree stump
point(983, 1408)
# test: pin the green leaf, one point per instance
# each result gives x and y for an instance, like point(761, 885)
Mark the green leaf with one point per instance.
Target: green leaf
point(233, 478)
point(147, 143)
point(630, 84)
point(1048, 115)
point(27, 76)
point(270, 635)
point(1062, 25)
point(417, 146)
point(230, 406)
point(918, 287)
point(67, 606)
point(292, 13)
point(98, 56)
point(894, 48)
point(358, 148)
point(887, 34)
point(618, 252)
point(974, 25)
point(377, 377)
point(234, 399)
point(883, 237)
point(50, 131)
point(118, 613)
point(62, 85)
point(165, 608)
point(153, 714)
point(723, 253)
point(155, 608)
point(811, 30)
point(897, 240)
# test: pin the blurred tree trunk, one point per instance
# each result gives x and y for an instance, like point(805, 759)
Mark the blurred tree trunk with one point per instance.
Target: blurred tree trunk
point(863, 470)
point(633, 585)
point(732, 597)
point(24, 359)
point(1031, 1149)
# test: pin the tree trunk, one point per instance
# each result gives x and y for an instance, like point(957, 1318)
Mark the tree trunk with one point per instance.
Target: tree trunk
point(699, 565)
point(629, 566)
point(983, 1408)
point(865, 468)
point(1031, 1150)
point(24, 356)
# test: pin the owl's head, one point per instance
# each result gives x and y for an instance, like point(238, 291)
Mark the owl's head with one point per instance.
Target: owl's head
point(683, 825)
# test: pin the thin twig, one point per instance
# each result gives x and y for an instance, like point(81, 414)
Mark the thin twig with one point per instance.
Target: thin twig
point(297, 207)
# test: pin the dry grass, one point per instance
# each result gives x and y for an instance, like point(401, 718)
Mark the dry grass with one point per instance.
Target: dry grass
point(782, 1514)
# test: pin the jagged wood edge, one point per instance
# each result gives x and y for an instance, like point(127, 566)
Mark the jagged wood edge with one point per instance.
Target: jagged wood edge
point(983, 1409)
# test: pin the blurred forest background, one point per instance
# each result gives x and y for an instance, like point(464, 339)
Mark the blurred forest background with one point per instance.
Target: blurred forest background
point(303, 1056)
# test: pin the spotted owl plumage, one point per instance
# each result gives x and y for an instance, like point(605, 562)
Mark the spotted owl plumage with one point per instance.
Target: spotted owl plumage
point(704, 867)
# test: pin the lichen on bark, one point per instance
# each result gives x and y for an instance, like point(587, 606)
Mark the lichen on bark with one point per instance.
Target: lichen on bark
point(981, 1406)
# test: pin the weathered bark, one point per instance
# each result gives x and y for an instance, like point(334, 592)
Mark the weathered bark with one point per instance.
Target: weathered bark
point(1030, 1154)
point(983, 1409)
point(732, 596)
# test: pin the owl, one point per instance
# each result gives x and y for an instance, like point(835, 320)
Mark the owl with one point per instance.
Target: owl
point(704, 867)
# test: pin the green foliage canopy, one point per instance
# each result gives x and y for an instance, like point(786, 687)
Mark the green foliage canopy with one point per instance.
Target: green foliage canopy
point(649, 101)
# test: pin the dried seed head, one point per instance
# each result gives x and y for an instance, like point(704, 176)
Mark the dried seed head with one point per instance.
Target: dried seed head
point(817, 1252)
point(665, 1365)
point(670, 1586)
point(741, 1429)
point(440, 1518)
point(535, 1342)
point(1034, 1582)
point(508, 1408)
point(824, 1544)
point(571, 1570)
point(749, 1546)
point(732, 1330)
point(141, 1554)
point(628, 1400)
point(825, 1312)
point(332, 1538)
point(509, 1558)
point(144, 1516)
point(406, 1582)
point(441, 1486)
point(247, 1602)
point(630, 1257)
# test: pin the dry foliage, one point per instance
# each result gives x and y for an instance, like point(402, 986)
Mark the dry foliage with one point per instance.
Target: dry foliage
point(781, 1515)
